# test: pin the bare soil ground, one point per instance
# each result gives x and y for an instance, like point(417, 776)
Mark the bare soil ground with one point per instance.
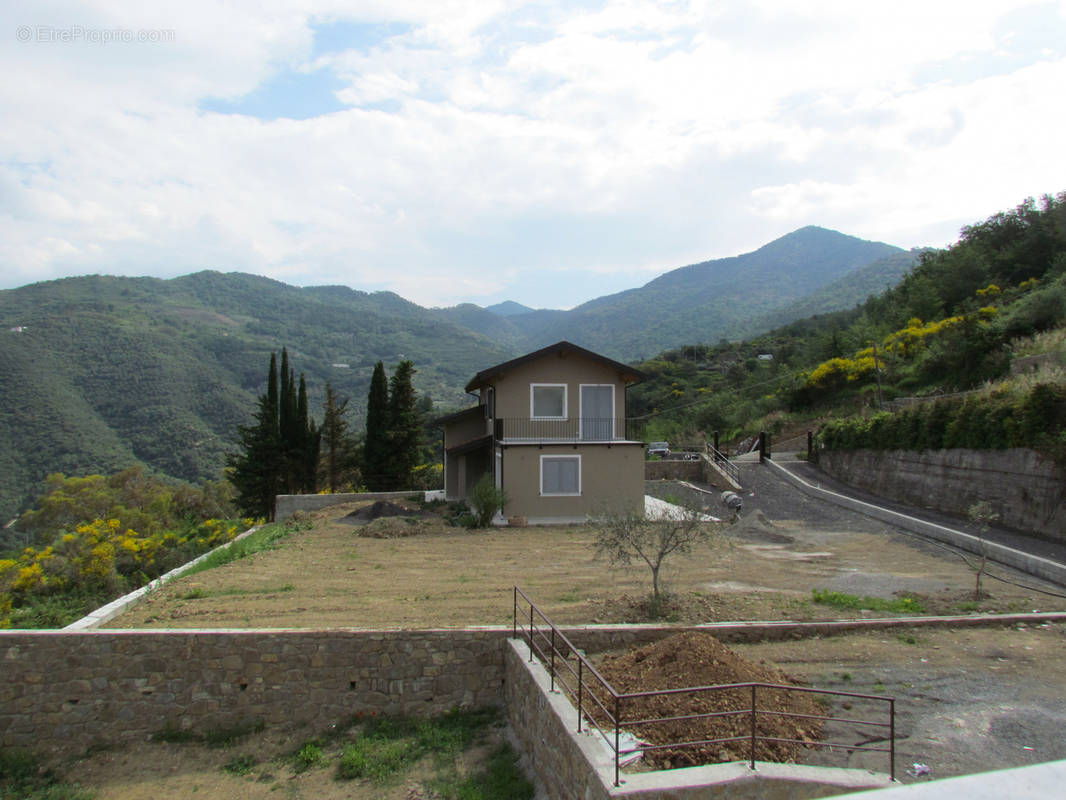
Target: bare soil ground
point(969, 699)
point(422, 573)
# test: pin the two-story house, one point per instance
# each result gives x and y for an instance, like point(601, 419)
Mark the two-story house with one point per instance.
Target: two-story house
point(550, 427)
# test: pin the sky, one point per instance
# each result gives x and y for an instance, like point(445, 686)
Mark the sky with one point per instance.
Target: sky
point(480, 151)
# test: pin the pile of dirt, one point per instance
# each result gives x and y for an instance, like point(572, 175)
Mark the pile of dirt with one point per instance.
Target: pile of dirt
point(758, 528)
point(698, 659)
point(382, 508)
point(402, 527)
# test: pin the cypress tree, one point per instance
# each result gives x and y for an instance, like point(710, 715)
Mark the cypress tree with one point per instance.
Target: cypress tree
point(334, 437)
point(405, 427)
point(376, 447)
point(255, 471)
point(307, 443)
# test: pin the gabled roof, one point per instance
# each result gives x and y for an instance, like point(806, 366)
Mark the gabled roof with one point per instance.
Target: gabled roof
point(626, 372)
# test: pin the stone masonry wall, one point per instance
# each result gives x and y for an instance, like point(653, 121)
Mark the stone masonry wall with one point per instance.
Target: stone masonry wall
point(62, 692)
point(1026, 488)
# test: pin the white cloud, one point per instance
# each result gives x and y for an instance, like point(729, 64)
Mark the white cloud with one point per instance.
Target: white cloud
point(480, 141)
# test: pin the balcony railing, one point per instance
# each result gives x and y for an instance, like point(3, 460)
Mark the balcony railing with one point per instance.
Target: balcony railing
point(594, 429)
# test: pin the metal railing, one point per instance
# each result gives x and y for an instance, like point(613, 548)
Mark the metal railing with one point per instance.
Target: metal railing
point(603, 708)
point(576, 429)
point(723, 462)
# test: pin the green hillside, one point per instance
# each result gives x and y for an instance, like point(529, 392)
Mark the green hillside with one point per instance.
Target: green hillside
point(114, 372)
point(954, 323)
point(723, 298)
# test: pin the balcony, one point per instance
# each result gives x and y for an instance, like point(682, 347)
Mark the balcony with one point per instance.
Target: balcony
point(588, 429)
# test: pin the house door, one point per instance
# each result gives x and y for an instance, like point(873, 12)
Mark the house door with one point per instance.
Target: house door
point(597, 412)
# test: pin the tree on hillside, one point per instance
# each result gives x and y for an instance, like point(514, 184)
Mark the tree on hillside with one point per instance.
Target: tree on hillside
point(278, 454)
point(254, 471)
point(338, 457)
point(376, 447)
point(405, 427)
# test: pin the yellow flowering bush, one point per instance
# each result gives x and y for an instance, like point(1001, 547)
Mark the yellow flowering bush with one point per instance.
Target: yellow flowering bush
point(105, 557)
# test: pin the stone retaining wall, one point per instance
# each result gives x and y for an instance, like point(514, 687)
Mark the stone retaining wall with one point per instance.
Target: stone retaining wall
point(1024, 487)
point(64, 692)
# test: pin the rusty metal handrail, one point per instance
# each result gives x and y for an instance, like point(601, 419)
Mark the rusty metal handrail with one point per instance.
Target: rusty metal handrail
point(553, 643)
point(722, 460)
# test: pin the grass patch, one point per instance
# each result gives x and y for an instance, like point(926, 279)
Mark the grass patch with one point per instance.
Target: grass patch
point(56, 611)
point(389, 746)
point(840, 600)
point(240, 766)
point(21, 778)
point(263, 539)
point(217, 737)
point(499, 779)
point(310, 755)
point(195, 594)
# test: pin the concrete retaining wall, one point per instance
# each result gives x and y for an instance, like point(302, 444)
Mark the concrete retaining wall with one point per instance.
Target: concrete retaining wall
point(62, 692)
point(1024, 487)
point(702, 471)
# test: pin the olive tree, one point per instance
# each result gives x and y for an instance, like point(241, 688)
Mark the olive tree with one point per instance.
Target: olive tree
point(628, 536)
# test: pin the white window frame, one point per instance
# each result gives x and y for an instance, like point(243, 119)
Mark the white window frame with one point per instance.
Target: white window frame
point(532, 404)
point(581, 409)
point(559, 457)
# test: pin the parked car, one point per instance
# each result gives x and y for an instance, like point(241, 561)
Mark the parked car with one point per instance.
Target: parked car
point(660, 449)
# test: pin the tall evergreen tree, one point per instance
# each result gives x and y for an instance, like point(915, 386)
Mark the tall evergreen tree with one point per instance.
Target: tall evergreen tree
point(279, 452)
point(405, 427)
point(376, 447)
point(256, 470)
point(336, 459)
point(307, 440)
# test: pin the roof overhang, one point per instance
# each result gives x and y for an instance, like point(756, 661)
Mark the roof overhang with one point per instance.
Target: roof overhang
point(627, 373)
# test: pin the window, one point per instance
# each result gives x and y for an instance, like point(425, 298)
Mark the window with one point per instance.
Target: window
point(547, 401)
point(560, 475)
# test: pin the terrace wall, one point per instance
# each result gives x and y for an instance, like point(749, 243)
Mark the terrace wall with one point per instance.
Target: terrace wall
point(1025, 487)
point(65, 692)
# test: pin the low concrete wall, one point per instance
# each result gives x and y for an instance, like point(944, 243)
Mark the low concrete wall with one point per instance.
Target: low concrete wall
point(62, 692)
point(673, 471)
point(1027, 489)
point(702, 471)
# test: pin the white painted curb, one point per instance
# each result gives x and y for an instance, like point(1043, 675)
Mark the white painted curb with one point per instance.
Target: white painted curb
point(116, 607)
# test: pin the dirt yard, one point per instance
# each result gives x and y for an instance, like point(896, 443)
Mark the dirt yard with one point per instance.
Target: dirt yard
point(334, 574)
point(968, 699)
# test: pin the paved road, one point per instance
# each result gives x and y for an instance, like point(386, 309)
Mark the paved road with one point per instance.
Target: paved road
point(1055, 551)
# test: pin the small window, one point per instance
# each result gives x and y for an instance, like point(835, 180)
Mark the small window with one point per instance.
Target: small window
point(560, 475)
point(547, 401)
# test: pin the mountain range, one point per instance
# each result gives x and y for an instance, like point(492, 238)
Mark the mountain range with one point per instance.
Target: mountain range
point(101, 372)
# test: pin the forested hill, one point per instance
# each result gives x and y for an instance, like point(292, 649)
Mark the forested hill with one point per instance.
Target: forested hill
point(723, 298)
point(101, 373)
point(108, 372)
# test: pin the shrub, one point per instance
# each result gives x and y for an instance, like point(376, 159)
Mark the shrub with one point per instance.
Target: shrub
point(486, 499)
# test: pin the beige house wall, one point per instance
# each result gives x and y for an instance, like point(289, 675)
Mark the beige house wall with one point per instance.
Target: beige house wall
point(466, 429)
point(513, 389)
point(612, 478)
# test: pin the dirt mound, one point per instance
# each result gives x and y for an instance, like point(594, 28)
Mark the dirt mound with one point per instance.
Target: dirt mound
point(759, 528)
point(402, 527)
point(698, 659)
point(379, 509)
